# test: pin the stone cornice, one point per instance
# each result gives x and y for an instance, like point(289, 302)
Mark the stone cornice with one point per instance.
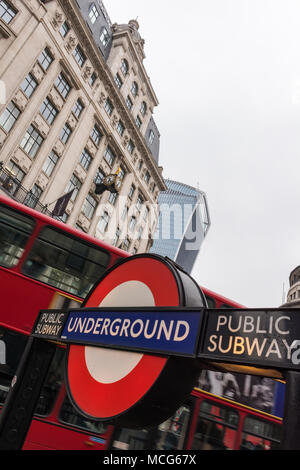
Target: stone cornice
point(87, 42)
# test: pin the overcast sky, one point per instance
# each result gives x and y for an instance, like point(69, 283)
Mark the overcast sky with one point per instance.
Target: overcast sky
point(227, 76)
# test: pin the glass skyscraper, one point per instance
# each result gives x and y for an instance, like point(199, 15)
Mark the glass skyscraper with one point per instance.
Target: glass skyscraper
point(183, 224)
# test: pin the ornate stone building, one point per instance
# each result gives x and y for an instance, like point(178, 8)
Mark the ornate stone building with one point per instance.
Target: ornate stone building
point(77, 105)
point(293, 295)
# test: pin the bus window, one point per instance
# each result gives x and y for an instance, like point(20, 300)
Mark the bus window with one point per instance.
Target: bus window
point(69, 415)
point(259, 434)
point(12, 346)
point(216, 427)
point(62, 261)
point(15, 230)
point(169, 435)
point(211, 303)
point(172, 432)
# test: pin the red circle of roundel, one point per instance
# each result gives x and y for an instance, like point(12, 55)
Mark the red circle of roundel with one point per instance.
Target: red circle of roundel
point(106, 400)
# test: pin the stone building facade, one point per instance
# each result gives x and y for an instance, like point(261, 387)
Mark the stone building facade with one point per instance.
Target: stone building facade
point(293, 295)
point(76, 106)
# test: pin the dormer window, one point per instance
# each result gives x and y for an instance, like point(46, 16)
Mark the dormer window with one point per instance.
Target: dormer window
point(151, 137)
point(104, 37)
point(93, 14)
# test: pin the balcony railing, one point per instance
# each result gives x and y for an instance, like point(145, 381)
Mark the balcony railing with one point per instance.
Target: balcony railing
point(12, 187)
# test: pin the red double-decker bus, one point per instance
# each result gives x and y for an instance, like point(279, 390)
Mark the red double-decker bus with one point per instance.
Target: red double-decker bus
point(47, 264)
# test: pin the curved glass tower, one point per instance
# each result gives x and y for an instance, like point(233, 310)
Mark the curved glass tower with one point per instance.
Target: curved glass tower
point(183, 224)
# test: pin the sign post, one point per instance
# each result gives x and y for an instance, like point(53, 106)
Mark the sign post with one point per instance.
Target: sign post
point(291, 420)
point(19, 407)
point(137, 345)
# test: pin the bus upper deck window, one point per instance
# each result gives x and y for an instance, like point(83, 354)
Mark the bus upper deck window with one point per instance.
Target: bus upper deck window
point(15, 229)
point(210, 302)
point(64, 262)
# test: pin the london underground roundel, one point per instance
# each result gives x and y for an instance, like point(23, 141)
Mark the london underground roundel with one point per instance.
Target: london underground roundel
point(131, 388)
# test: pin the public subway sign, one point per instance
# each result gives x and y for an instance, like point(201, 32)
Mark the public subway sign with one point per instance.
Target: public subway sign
point(262, 338)
point(258, 337)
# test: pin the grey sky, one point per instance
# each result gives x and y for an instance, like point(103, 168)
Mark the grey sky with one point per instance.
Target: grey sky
point(227, 76)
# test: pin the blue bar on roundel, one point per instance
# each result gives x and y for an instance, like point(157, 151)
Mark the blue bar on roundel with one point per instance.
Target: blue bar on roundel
point(169, 332)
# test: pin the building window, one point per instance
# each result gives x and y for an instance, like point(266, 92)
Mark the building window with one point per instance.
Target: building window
point(118, 81)
point(29, 85)
point(147, 177)
point(9, 116)
point(130, 146)
point(129, 103)
point(99, 177)
point(120, 128)
point(140, 165)
point(50, 163)
point(146, 214)
point(126, 244)
point(45, 59)
point(73, 185)
point(79, 55)
point(65, 133)
point(132, 223)
point(124, 67)
point(143, 108)
point(124, 213)
point(104, 37)
point(7, 13)
point(113, 198)
point(131, 191)
point(134, 89)
point(33, 196)
point(109, 156)
point(89, 206)
point(121, 173)
point(108, 106)
point(13, 184)
point(140, 233)
point(31, 142)
point(85, 159)
point(96, 135)
point(78, 108)
point(138, 122)
point(117, 237)
point(92, 79)
point(102, 226)
point(151, 137)
point(64, 29)
point(139, 202)
point(94, 13)
point(48, 111)
point(62, 85)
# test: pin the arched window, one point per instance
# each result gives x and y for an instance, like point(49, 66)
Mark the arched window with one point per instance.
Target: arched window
point(124, 67)
point(134, 89)
point(143, 108)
